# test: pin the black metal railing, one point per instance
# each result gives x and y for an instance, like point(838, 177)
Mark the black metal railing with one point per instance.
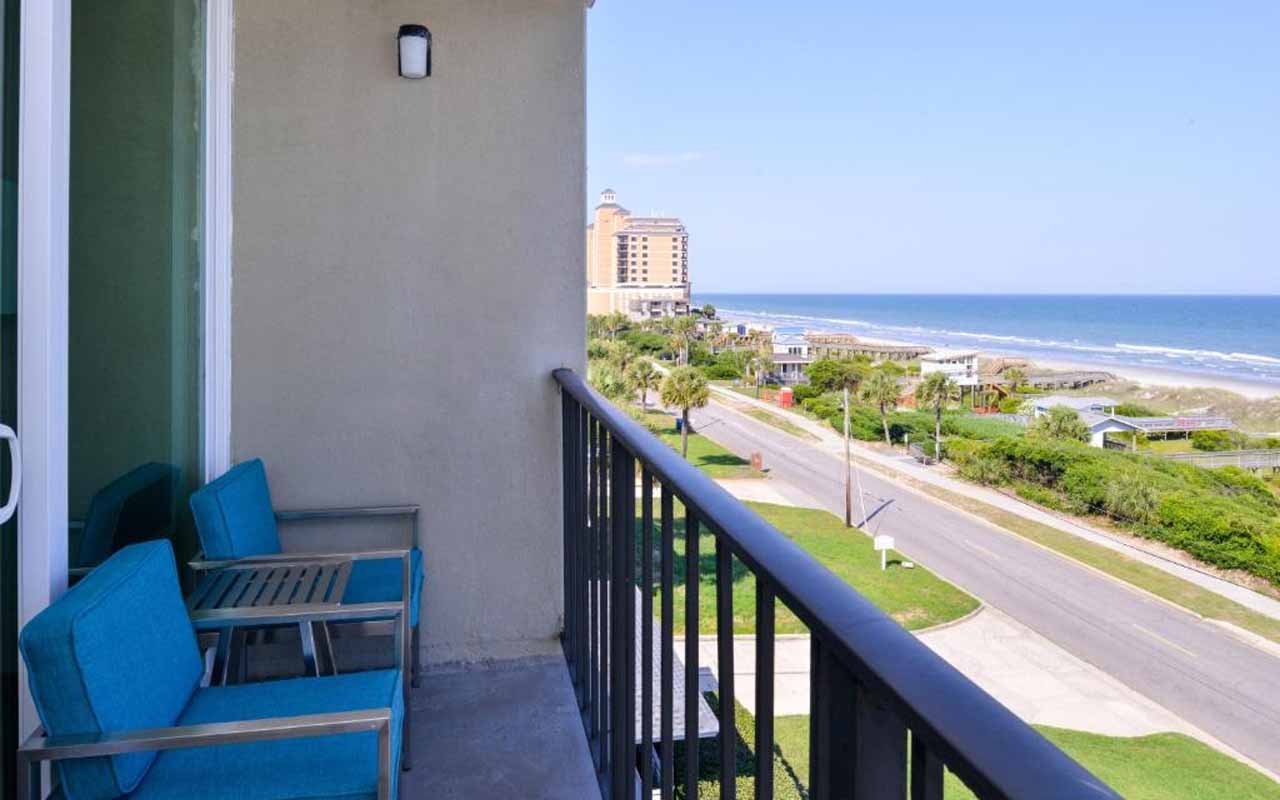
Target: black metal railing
point(886, 713)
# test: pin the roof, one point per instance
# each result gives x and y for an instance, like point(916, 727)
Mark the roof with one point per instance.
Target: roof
point(948, 355)
point(1078, 403)
point(1098, 422)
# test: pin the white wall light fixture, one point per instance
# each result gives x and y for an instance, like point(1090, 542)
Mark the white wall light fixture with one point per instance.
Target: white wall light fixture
point(415, 51)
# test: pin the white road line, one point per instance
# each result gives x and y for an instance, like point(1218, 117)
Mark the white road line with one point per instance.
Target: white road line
point(1163, 640)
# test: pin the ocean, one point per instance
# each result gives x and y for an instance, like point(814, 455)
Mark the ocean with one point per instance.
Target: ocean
point(1227, 337)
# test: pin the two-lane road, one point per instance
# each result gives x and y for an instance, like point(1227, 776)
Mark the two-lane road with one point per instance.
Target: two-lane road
point(1208, 676)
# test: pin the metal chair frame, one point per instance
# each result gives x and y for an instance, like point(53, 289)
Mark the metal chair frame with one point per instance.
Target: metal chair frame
point(39, 748)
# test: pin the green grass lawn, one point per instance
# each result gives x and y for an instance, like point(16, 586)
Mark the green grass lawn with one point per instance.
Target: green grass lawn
point(1162, 766)
point(1167, 446)
point(704, 454)
point(916, 598)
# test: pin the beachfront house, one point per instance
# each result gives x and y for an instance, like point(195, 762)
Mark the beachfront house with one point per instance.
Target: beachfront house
point(1099, 414)
point(961, 366)
point(790, 358)
point(1093, 405)
point(261, 245)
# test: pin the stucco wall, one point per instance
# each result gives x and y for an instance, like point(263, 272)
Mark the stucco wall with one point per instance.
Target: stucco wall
point(408, 267)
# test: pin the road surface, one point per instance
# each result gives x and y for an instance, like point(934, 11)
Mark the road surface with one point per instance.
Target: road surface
point(1209, 677)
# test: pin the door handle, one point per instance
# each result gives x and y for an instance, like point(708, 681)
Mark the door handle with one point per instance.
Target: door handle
point(15, 471)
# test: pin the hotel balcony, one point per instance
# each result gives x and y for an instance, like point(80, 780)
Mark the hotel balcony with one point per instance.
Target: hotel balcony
point(374, 283)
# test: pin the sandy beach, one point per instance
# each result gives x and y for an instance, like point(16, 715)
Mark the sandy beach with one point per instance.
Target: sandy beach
point(1168, 377)
point(1145, 376)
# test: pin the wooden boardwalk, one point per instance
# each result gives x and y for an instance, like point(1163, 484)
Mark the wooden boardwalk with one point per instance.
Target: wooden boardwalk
point(1245, 459)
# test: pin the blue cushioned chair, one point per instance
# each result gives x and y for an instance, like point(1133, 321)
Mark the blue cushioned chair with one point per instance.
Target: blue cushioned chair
point(237, 522)
point(116, 675)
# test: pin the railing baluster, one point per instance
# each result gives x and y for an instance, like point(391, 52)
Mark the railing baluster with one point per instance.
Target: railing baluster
point(668, 581)
point(692, 690)
point(584, 575)
point(593, 596)
point(646, 634)
point(764, 690)
point(724, 642)
point(881, 754)
point(833, 699)
point(566, 479)
point(622, 497)
point(598, 708)
point(606, 608)
point(926, 771)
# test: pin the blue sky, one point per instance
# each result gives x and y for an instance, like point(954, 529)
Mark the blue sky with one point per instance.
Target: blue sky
point(947, 147)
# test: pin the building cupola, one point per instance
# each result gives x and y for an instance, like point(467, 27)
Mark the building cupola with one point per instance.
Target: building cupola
point(608, 197)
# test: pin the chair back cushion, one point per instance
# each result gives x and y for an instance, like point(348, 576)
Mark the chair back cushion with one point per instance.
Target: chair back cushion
point(234, 516)
point(132, 508)
point(116, 652)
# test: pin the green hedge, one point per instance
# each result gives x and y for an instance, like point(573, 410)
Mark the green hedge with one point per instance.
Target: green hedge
point(1225, 517)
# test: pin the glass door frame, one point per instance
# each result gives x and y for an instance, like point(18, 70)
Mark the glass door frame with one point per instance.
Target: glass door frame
point(43, 208)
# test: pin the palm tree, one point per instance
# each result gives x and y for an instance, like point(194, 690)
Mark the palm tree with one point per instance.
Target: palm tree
point(936, 390)
point(643, 376)
point(682, 331)
point(607, 379)
point(757, 366)
point(685, 388)
point(1015, 377)
point(615, 322)
point(620, 354)
point(881, 390)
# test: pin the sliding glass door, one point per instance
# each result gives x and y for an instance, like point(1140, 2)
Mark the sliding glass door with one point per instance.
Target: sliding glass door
point(8, 385)
point(134, 274)
point(101, 296)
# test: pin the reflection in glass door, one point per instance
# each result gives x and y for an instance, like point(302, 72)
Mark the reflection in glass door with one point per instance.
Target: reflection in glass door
point(134, 365)
point(8, 387)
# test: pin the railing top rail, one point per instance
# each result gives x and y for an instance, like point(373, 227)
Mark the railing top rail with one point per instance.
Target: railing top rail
point(1225, 454)
point(979, 739)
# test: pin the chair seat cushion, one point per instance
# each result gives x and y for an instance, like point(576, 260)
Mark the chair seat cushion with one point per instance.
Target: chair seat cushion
point(341, 766)
point(378, 581)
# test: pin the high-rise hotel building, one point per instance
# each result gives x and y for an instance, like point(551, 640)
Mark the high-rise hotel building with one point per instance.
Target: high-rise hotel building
point(636, 265)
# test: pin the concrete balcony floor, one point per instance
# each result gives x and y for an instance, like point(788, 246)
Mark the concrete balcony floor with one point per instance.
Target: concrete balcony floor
point(508, 729)
point(498, 731)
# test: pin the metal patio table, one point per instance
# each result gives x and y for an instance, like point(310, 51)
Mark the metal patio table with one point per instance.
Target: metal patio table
point(301, 584)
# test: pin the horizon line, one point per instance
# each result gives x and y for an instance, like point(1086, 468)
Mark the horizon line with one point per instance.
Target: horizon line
point(760, 293)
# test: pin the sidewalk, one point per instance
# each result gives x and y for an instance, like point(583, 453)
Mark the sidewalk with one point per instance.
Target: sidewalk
point(833, 442)
point(1037, 680)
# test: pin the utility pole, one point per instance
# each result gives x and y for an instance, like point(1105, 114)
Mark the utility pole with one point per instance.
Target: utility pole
point(848, 466)
point(849, 473)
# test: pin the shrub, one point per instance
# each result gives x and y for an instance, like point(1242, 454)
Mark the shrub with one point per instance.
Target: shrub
point(978, 427)
point(1213, 530)
point(805, 391)
point(647, 342)
point(1085, 485)
point(721, 372)
point(1011, 405)
point(1131, 498)
point(1034, 493)
point(1136, 410)
point(1061, 423)
point(821, 406)
point(1212, 441)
